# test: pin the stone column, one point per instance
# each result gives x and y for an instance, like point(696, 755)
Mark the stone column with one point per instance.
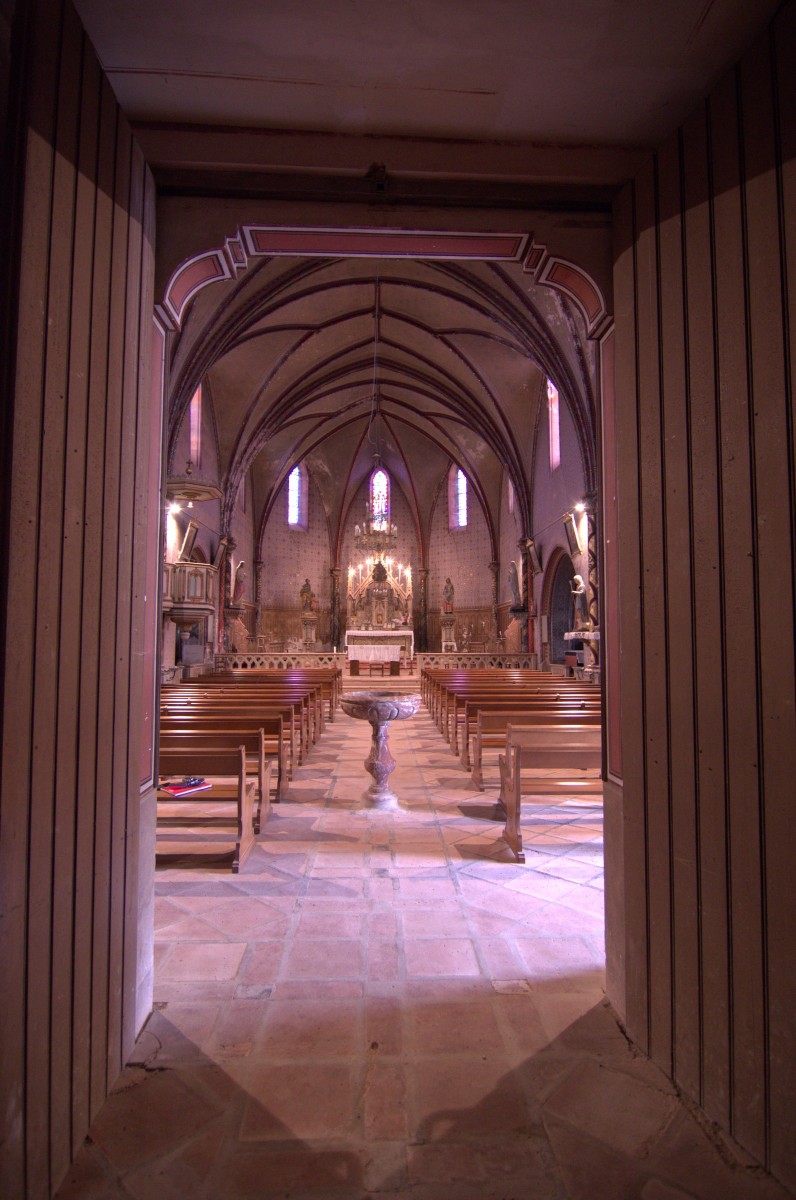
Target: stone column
point(592, 644)
point(258, 593)
point(495, 569)
point(226, 595)
point(593, 580)
point(335, 622)
point(527, 593)
point(422, 629)
point(232, 546)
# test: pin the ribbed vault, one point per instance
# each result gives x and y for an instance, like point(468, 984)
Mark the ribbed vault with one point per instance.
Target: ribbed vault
point(428, 363)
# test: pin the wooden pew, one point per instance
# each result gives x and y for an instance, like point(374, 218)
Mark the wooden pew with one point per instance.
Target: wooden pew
point(257, 760)
point(290, 710)
point(306, 699)
point(514, 696)
point(329, 679)
point(492, 724)
point(571, 750)
point(210, 810)
point(276, 740)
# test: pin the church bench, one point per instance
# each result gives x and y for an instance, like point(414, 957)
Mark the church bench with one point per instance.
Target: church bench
point(310, 696)
point(258, 759)
point(303, 719)
point(516, 692)
point(441, 687)
point(293, 731)
point(329, 679)
point(277, 725)
point(440, 690)
point(491, 726)
point(221, 817)
point(570, 750)
point(464, 708)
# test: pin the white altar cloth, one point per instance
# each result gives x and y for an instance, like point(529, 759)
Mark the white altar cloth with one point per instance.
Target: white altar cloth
point(402, 638)
point(375, 653)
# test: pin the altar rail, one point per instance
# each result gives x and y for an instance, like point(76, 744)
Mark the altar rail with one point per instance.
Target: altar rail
point(251, 659)
point(462, 660)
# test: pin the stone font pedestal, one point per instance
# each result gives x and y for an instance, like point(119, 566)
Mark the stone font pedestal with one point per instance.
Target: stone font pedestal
point(380, 708)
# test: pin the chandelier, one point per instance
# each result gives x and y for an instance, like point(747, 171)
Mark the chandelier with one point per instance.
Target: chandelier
point(376, 535)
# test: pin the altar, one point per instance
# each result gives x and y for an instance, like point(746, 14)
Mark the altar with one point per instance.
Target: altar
point(397, 640)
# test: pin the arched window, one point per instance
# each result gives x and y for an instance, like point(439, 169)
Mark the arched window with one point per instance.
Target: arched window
point(510, 493)
point(297, 497)
point(457, 498)
point(195, 428)
point(553, 425)
point(380, 498)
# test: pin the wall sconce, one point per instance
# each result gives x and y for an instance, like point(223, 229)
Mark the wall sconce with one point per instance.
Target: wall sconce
point(571, 530)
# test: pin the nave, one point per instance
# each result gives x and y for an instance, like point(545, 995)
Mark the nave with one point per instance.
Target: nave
point(386, 1003)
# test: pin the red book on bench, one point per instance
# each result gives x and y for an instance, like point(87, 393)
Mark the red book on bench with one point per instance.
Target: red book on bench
point(183, 789)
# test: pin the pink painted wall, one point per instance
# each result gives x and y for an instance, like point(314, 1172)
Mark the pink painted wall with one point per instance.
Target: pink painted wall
point(462, 554)
point(291, 555)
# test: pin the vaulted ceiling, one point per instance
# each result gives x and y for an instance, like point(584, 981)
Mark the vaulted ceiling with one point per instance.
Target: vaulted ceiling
point(514, 106)
point(427, 363)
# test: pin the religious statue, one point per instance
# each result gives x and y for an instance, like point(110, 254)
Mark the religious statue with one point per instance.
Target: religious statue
point(580, 617)
point(447, 596)
point(307, 595)
point(239, 586)
point(514, 584)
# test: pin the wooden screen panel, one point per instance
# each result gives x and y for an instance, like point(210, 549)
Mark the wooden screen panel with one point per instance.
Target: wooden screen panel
point(70, 783)
point(680, 598)
point(771, 468)
point(708, 643)
point(634, 799)
point(655, 655)
point(711, 333)
point(778, 815)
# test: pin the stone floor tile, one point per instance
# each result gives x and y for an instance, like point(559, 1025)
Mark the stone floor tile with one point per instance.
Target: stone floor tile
point(384, 1002)
point(385, 1102)
point(446, 1028)
point(297, 1100)
point(300, 1029)
point(559, 963)
point(455, 1099)
point(316, 923)
point(311, 958)
point(203, 960)
point(614, 1108)
point(433, 956)
point(431, 922)
point(146, 1115)
point(262, 964)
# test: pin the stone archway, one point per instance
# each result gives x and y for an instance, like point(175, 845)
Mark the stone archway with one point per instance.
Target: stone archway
point(556, 604)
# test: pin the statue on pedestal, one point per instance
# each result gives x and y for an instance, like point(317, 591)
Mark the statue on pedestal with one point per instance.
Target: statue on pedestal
point(307, 596)
point(514, 584)
point(580, 617)
point(447, 596)
point(239, 586)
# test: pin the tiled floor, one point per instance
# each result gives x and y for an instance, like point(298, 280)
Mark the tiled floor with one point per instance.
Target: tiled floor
point(384, 1003)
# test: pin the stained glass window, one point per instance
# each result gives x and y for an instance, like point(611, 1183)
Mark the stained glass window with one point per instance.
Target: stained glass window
point(457, 499)
point(553, 425)
point(297, 497)
point(195, 427)
point(380, 499)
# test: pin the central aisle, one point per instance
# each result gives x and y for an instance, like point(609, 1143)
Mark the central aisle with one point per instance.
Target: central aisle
point(385, 1003)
